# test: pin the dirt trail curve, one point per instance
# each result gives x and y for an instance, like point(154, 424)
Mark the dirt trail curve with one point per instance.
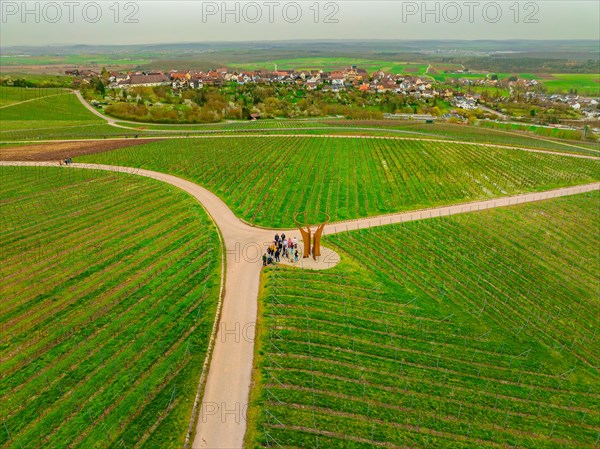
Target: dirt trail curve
point(111, 121)
point(221, 419)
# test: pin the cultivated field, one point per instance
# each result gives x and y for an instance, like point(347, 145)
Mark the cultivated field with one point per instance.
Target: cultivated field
point(57, 62)
point(50, 113)
point(12, 95)
point(268, 180)
point(583, 84)
point(110, 285)
point(473, 331)
point(329, 64)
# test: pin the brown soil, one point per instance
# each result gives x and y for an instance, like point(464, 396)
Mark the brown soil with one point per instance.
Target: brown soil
point(62, 150)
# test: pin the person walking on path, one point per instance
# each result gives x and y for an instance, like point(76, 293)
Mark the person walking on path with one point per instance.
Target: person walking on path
point(265, 260)
point(276, 238)
point(296, 256)
point(277, 256)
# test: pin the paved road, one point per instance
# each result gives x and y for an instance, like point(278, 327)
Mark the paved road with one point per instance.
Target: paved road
point(221, 419)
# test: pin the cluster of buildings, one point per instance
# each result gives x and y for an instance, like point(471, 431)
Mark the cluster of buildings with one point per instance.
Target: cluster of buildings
point(336, 80)
point(468, 102)
point(586, 105)
point(353, 78)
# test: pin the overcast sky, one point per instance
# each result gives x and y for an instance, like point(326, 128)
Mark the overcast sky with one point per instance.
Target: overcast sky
point(141, 22)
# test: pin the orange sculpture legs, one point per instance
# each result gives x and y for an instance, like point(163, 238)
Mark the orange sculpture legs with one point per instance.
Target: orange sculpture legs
point(315, 249)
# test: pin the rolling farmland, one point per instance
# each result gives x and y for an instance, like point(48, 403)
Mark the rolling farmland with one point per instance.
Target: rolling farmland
point(57, 106)
point(473, 331)
point(14, 95)
point(46, 114)
point(392, 128)
point(272, 178)
point(476, 330)
point(110, 285)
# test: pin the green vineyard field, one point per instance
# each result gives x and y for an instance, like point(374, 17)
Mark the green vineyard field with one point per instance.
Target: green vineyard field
point(473, 331)
point(268, 180)
point(110, 285)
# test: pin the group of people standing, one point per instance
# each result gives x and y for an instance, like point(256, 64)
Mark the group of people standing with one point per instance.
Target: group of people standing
point(281, 247)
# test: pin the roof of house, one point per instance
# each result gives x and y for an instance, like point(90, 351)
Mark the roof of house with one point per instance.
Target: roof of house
point(148, 79)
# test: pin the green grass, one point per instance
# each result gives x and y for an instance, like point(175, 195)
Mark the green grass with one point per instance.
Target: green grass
point(63, 117)
point(491, 91)
point(545, 131)
point(40, 80)
point(444, 77)
point(520, 140)
point(268, 180)
point(110, 285)
point(328, 64)
point(235, 125)
point(376, 128)
point(473, 331)
point(64, 107)
point(43, 116)
point(67, 130)
point(584, 84)
point(53, 114)
point(13, 95)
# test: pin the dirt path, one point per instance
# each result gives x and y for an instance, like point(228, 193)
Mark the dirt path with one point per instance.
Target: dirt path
point(92, 109)
point(221, 418)
point(424, 214)
point(62, 150)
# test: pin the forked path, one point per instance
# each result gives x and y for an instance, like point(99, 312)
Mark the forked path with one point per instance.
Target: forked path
point(221, 421)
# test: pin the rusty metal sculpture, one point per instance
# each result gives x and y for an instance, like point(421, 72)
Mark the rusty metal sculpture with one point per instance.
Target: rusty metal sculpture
point(315, 249)
point(305, 236)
